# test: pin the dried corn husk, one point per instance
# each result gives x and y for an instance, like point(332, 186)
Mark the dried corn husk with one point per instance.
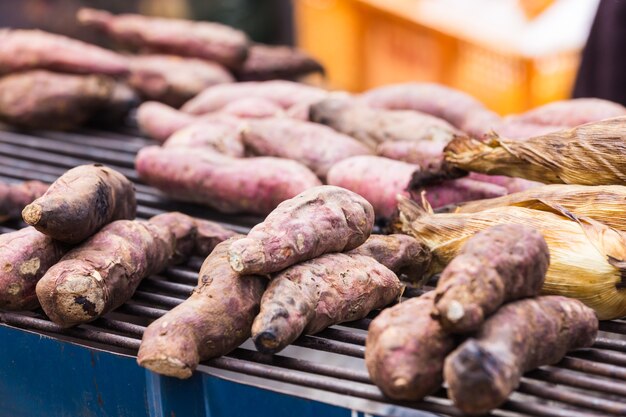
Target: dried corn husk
point(604, 203)
point(591, 154)
point(587, 258)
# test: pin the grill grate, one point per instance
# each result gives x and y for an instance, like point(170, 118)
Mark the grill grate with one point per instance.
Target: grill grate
point(588, 382)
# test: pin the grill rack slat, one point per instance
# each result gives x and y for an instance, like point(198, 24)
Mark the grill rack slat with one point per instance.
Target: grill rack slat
point(588, 380)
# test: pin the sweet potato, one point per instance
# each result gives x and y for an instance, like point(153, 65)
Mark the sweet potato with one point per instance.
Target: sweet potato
point(22, 50)
point(212, 322)
point(270, 62)
point(25, 255)
point(514, 129)
point(570, 113)
point(209, 135)
point(80, 202)
point(116, 109)
point(406, 348)
point(375, 126)
point(521, 336)
point(160, 121)
point(207, 40)
point(283, 93)
point(308, 297)
point(14, 197)
point(512, 185)
point(319, 220)
point(428, 155)
point(318, 147)
point(495, 266)
point(252, 108)
point(42, 99)
point(103, 272)
point(173, 80)
point(208, 235)
point(230, 185)
point(402, 254)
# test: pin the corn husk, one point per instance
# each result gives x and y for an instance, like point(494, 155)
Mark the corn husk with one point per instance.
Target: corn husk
point(586, 256)
point(604, 203)
point(590, 154)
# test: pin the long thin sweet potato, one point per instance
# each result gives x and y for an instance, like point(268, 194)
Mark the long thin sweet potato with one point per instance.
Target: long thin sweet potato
point(406, 348)
point(318, 147)
point(495, 266)
point(80, 202)
point(207, 40)
point(231, 185)
point(308, 297)
point(22, 50)
point(103, 272)
point(14, 197)
point(521, 336)
point(270, 62)
point(319, 220)
point(25, 255)
point(209, 135)
point(212, 322)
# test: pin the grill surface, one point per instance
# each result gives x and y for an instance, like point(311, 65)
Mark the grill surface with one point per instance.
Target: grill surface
point(328, 366)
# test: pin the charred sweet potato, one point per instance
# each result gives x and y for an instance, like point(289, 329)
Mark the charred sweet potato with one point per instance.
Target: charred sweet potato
point(271, 62)
point(14, 197)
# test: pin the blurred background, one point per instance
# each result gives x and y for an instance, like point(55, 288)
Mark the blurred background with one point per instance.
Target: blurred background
point(511, 54)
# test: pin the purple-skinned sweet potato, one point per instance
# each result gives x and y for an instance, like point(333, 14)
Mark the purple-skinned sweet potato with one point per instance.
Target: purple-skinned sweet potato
point(271, 62)
point(25, 256)
point(426, 154)
point(319, 220)
point(80, 202)
point(159, 121)
point(103, 272)
point(22, 50)
point(318, 147)
point(230, 185)
point(208, 235)
point(212, 322)
point(173, 80)
point(308, 297)
point(252, 108)
point(207, 40)
point(209, 135)
point(569, 113)
point(14, 197)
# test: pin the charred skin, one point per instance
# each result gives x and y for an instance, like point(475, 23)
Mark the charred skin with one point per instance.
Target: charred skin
point(25, 256)
point(269, 62)
point(80, 202)
point(14, 197)
point(320, 220)
point(212, 322)
point(102, 273)
point(521, 336)
point(121, 101)
point(495, 266)
point(308, 297)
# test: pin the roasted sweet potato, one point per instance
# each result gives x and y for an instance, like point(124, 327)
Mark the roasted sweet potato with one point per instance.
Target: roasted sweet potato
point(80, 202)
point(308, 297)
point(103, 272)
point(212, 322)
point(231, 185)
point(25, 255)
point(270, 62)
point(208, 40)
point(209, 135)
point(571, 113)
point(160, 121)
point(426, 154)
point(495, 266)
point(116, 109)
point(406, 348)
point(252, 108)
point(208, 235)
point(14, 197)
point(173, 80)
point(521, 336)
point(320, 220)
point(22, 50)
point(318, 147)
point(42, 99)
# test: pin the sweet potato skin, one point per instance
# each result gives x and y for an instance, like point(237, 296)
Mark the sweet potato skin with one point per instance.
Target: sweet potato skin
point(402, 254)
point(26, 255)
point(80, 202)
point(317, 147)
point(252, 108)
point(102, 273)
point(213, 321)
point(521, 336)
point(406, 348)
point(159, 121)
point(14, 197)
point(319, 220)
point(570, 113)
point(230, 185)
point(270, 62)
point(308, 297)
point(426, 154)
point(209, 135)
point(185, 233)
point(495, 266)
point(208, 235)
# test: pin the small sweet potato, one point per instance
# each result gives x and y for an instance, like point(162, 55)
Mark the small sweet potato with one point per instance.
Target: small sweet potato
point(14, 197)
point(25, 255)
point(209, 135)
point(103, 272)
point(318, 147)
point(212, 322)
point(159, 121)
point(271, 62)
point(519, 337)
point(308, 297)
point(495, 266)
point(406, 348)
point(80, 202)
point(230, 185)
point(319, 220)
